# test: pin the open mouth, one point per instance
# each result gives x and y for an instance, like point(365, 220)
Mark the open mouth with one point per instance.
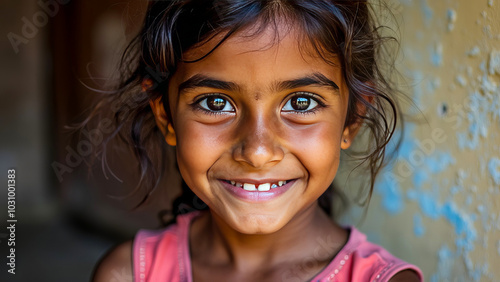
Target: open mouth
point(260, 187)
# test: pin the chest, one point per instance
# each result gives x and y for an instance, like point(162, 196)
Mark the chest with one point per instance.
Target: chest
point(299, 271)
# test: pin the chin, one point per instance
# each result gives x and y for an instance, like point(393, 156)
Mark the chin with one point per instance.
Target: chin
point(258, 224)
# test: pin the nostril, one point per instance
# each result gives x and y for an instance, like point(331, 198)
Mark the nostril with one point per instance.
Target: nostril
point(258, 154)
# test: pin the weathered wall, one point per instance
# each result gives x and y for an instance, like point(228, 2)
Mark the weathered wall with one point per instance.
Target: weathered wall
point(438, 205)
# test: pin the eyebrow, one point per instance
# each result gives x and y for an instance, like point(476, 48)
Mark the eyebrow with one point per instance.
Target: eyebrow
point(200, 80)
point(314, 79)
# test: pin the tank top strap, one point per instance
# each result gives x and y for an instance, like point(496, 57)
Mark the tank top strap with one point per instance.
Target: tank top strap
point(360, 260)
point(163, 255)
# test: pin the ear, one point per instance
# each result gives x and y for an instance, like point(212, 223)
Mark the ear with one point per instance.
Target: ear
point(348, 135)
point(351, 130)
point(162, 121)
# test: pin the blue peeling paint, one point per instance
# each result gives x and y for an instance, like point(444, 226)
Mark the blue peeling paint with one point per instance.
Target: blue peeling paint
point(420, 177)
point(437, 56)
point(434, 163)
point(482, 67)
point(418, 226)
point(485, 217)
point(445, 252)
point(433, 84)
point(465, 235)
point(408, 145)
point(412, 194)
point(389, 189)
point(428, 204)
point(467, 141)
point(483, 105)
point(445, 265)
point(439, 162)
point(462, 222)
point(475, 51)
point(388, 185)
point(468, 201)
point(427, 11)
point(406, 148)
point(494, 169)
point(487, 85)
point(459, 200)
point(495, 107)
point(479, 120)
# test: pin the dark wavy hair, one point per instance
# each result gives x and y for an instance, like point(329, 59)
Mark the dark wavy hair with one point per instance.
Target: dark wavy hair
point(345, 29)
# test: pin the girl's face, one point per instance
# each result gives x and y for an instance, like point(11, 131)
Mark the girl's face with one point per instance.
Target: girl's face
point(257, 115)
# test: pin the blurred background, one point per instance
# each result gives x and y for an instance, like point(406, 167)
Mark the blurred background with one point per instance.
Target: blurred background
point(53, 53)
point(437, 205)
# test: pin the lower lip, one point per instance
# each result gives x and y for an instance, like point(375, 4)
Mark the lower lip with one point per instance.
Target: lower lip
point(257, 196)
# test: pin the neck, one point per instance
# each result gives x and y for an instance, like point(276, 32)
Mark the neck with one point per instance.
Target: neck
point(309, 234)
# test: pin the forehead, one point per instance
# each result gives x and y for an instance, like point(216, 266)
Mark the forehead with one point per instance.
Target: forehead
point(257, 56)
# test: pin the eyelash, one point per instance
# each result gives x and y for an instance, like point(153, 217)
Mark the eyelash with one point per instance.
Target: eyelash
point(321, 104)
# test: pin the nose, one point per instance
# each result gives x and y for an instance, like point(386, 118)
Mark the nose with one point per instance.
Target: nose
point(259, 143)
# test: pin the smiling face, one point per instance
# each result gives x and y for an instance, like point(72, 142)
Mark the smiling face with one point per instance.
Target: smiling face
point(257, 115)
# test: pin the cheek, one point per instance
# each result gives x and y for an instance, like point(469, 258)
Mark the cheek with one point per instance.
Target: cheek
point(198, 148)
point(318, 149)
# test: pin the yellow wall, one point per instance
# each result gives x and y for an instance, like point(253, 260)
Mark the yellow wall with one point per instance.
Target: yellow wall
point(438, 206)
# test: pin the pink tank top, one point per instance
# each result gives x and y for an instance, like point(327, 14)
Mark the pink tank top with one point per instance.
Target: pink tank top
point(163, 255)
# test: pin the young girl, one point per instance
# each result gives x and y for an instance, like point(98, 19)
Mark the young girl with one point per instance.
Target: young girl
point(258, 97)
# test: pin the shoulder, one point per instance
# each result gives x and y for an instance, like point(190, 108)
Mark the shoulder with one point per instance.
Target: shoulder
point(373, 260)
point(116, 264)
point(405, 276)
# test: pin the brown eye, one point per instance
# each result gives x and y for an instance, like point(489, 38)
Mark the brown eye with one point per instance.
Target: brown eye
point(215, 104)
point(300, 103)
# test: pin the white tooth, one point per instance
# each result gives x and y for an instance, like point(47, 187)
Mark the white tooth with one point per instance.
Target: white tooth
point(233, 183)
point(239, 184)
point(264, 187)
point(274, 186)
point(249, 187)
point(280, 183)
